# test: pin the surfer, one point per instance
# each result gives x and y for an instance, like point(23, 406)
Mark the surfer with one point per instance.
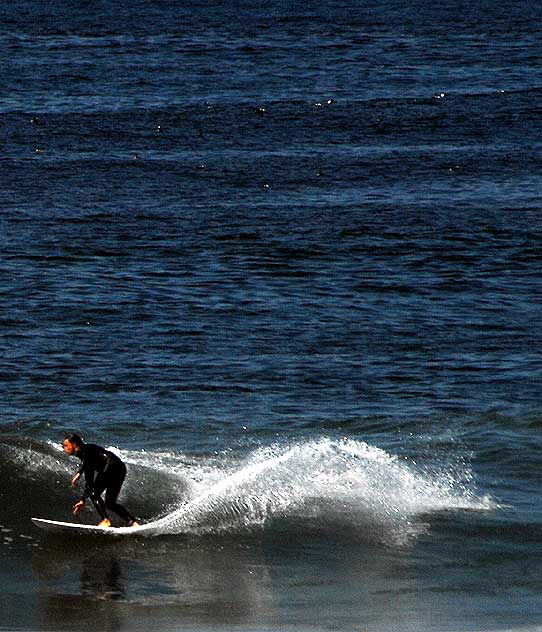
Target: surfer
point(103, 471)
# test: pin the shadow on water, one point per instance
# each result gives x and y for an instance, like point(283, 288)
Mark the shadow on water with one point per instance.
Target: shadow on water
point(111, 586)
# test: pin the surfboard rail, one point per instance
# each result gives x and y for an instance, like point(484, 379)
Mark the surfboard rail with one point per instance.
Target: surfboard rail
point(56, 526)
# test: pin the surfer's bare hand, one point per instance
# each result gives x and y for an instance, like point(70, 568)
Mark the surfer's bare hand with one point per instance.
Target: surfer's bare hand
point(75, 479)
point(78, 506)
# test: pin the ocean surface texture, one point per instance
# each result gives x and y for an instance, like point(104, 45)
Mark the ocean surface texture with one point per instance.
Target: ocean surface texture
point(285, 258)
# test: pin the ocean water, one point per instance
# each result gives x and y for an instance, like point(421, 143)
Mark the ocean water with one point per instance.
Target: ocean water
point(285, 259)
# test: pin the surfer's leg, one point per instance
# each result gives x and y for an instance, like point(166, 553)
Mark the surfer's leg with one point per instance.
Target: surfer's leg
point(99, 504)
point(97, 500)
point(114, 484)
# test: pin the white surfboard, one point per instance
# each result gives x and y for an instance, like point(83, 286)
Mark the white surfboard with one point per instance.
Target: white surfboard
point(53, 526)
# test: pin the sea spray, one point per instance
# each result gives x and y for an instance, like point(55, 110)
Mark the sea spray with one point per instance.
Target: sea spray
point(326, 484)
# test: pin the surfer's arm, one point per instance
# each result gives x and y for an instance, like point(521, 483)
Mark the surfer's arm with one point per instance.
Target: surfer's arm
point(77, 475)
point(88, 492)
point(89, 481)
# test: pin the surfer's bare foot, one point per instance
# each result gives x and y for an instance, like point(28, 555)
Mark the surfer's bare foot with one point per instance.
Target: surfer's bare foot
point(133, 523)
point(104, 523)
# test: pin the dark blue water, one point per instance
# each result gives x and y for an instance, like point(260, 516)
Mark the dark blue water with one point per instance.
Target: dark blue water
point(286, 260)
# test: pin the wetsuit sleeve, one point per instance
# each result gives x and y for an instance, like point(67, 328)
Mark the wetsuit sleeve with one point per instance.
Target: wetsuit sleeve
point(78, 473)
point(89, 480)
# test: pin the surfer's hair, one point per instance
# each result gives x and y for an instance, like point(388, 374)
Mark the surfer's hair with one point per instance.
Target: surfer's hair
point(75, 439)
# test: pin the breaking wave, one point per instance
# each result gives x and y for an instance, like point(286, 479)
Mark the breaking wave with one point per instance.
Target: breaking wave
point(342, 487)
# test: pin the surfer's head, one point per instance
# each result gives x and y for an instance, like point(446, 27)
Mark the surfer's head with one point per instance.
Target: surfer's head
point(72, 443)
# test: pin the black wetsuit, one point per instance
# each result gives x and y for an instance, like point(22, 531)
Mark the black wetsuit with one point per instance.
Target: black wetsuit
point(103, 470)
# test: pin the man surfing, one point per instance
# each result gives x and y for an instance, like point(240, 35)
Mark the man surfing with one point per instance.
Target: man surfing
point(103, 471)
